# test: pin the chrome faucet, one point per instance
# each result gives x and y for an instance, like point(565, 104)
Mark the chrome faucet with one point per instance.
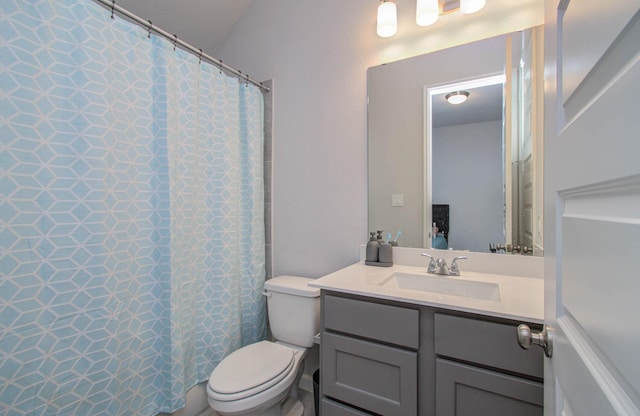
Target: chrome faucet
point(455, 270)
point(431, 268)
point(439, 266)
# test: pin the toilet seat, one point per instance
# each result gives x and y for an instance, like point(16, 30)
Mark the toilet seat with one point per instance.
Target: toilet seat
point(250, 370)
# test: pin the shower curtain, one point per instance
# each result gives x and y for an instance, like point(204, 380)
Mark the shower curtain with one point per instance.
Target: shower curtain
point(131, 208)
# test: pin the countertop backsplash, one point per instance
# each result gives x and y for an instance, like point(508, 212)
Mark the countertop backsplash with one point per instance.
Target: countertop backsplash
point(494, 263)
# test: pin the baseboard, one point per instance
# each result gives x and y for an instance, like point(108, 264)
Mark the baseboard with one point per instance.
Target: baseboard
point(306, 383)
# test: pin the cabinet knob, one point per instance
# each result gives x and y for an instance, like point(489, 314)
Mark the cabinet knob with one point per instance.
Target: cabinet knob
point(527, 338)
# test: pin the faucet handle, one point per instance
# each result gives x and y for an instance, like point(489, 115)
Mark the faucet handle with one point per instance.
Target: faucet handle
point(454, 270)
point(432, 264)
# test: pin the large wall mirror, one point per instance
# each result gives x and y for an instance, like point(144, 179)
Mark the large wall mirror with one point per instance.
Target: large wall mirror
point(465, 176)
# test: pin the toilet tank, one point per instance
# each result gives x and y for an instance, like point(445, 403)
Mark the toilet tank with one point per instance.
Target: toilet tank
point(294, 309)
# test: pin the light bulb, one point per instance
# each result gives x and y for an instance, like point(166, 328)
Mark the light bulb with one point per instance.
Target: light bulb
point(471, 6)
point(387, 19)
point(427, 12)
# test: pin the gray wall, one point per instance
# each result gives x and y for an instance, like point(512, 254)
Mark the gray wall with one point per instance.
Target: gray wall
point(467, 175)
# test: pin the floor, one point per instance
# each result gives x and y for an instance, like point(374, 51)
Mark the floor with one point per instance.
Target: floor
point(306, 397)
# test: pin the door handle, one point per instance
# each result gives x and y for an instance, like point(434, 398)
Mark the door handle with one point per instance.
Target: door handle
point(527, 338)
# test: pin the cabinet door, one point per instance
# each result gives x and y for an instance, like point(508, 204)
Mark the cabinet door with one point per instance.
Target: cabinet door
point(463, 390)
point(331, 408)
point(375, 377)
point(497, 345)
point(386, 323)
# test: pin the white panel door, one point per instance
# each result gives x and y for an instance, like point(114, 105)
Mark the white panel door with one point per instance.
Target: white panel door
point(592, 206)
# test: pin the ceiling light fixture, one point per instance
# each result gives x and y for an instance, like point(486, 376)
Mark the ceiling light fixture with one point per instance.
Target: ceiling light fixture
point(427, 12)
point(457, 97)
point(471, 6)
point(387, 19)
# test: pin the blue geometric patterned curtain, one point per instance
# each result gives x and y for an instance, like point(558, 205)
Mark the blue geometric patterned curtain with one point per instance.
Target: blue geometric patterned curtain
point(131, 214)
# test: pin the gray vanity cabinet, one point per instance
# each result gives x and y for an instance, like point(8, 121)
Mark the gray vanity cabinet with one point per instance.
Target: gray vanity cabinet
point(481, 370)
point(388, 358)
point(465, 390)
point(369, 358)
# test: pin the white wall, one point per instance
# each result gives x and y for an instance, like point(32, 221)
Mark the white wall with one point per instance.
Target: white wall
point(467, 175)
point(318, 54)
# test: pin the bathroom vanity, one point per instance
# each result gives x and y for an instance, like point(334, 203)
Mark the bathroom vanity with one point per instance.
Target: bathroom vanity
point(393, 346)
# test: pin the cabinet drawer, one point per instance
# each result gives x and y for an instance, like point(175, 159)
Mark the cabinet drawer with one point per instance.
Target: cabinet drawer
point(463, 390)
point(331, 408)
point(386, 323)
point(486, 343)
point(375, 377)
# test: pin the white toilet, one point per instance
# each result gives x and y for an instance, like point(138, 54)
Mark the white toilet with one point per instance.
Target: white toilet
point(262, 378)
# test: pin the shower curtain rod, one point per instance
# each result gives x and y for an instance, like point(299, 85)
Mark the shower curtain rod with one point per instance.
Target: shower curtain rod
point(111, 4)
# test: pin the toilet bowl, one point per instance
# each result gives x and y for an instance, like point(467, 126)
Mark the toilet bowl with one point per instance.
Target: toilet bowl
point(262, 378)
point(255, 380)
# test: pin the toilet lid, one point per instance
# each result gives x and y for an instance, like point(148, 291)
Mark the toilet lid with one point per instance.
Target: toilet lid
point(262, 364)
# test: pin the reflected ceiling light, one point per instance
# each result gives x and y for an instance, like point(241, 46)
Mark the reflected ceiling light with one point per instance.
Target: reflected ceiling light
point(387, 19)
point(427, 12)
point(471, 6)
point(457, 97)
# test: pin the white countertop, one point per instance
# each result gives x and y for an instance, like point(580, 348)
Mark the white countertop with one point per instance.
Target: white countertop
point(521, 298)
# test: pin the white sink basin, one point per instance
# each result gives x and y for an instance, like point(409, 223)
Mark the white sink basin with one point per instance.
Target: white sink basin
point(446, 285)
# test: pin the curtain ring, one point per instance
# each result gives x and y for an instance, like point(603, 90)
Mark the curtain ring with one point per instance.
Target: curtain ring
point(175, 41)
point(220, 66)
point(113, 7)
point(149, 29)
point(200, 61)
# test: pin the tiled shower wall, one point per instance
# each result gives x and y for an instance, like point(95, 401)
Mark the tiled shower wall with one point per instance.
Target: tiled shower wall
point(268, 146)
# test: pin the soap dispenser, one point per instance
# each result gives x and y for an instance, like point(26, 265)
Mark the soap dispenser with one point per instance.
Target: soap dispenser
point(385, 255)
point(372, 248)
point(379, 252)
